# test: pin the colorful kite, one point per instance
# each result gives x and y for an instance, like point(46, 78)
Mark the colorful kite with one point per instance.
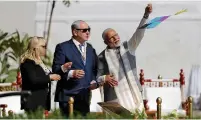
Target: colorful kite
point(156, 21)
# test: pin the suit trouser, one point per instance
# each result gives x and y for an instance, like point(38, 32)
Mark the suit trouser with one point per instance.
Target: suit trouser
point(81, 104)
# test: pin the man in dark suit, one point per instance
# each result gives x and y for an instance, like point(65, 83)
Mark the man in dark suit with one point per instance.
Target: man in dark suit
point(76, 79)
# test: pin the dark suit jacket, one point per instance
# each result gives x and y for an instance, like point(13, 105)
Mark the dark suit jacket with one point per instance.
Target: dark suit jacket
point(35, 80)
point(68, 52)
point(109, 92)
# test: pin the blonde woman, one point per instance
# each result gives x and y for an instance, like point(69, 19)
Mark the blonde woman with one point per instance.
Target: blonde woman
point(36, 76)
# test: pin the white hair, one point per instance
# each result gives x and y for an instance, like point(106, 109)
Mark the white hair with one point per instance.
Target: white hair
point(76, 24)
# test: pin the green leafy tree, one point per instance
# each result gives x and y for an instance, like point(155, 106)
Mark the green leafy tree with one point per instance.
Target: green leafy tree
point(3, 46)
point(4, 55)
point(11, 48)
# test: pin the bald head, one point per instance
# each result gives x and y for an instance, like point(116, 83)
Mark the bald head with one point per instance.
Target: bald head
point(105, 32)
point(111, 37)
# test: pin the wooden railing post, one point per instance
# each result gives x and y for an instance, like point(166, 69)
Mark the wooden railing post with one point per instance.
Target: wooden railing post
point(160, 77)
point(3, 106)
point(70, 102)
point(158, 101)
point(190, 107)
point(10, 113)
point(182, 84)
point(142, 82)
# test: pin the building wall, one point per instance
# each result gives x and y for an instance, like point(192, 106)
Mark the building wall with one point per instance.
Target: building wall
point(164, 50)
point(173, 45)
point(18, 15)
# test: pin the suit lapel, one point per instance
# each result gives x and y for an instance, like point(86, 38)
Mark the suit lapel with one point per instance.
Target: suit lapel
point(88, 53)
point(77, 53)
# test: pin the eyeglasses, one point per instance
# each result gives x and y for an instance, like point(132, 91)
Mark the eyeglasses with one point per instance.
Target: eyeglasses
point(115, 35)
point(84, 30)
point(44, 46)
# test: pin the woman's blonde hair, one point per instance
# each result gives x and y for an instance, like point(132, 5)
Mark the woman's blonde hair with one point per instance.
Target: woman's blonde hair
point(32, 51)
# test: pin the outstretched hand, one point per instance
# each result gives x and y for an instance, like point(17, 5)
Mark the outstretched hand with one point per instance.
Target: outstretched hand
point(110, 79)
point(148, 9)
point(55, 77)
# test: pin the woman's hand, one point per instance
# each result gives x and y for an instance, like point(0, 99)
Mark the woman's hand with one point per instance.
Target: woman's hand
point(55, 77)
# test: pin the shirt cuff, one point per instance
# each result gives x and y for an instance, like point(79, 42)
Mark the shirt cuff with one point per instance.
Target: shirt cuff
point(70, 74)
point(63, 69)
point(101, 78)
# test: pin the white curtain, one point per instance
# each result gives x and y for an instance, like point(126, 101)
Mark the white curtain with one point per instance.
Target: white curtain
point(194, 86)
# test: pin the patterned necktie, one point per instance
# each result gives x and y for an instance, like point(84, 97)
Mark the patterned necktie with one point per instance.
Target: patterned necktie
point(81, 46)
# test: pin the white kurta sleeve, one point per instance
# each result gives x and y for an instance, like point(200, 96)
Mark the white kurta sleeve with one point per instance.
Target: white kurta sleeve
point(137, 37)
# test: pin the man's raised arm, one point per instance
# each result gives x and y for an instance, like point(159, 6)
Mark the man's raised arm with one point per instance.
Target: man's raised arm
point(139, 33)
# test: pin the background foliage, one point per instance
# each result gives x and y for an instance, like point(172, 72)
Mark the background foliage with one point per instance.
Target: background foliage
point(12, 46)
point(56, 114)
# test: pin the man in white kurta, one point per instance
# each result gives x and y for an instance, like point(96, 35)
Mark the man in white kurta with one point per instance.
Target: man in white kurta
point(117, 67)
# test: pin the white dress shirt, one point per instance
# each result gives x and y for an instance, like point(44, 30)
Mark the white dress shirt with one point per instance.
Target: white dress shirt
point(70, 74)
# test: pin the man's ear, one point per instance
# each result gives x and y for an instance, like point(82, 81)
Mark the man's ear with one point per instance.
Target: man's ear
point(105, 41)
point(75, 32)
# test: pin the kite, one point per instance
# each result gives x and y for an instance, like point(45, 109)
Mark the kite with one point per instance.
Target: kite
point(157, 20)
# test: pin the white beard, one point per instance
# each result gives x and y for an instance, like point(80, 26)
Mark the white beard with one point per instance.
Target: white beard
point(117, 45)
